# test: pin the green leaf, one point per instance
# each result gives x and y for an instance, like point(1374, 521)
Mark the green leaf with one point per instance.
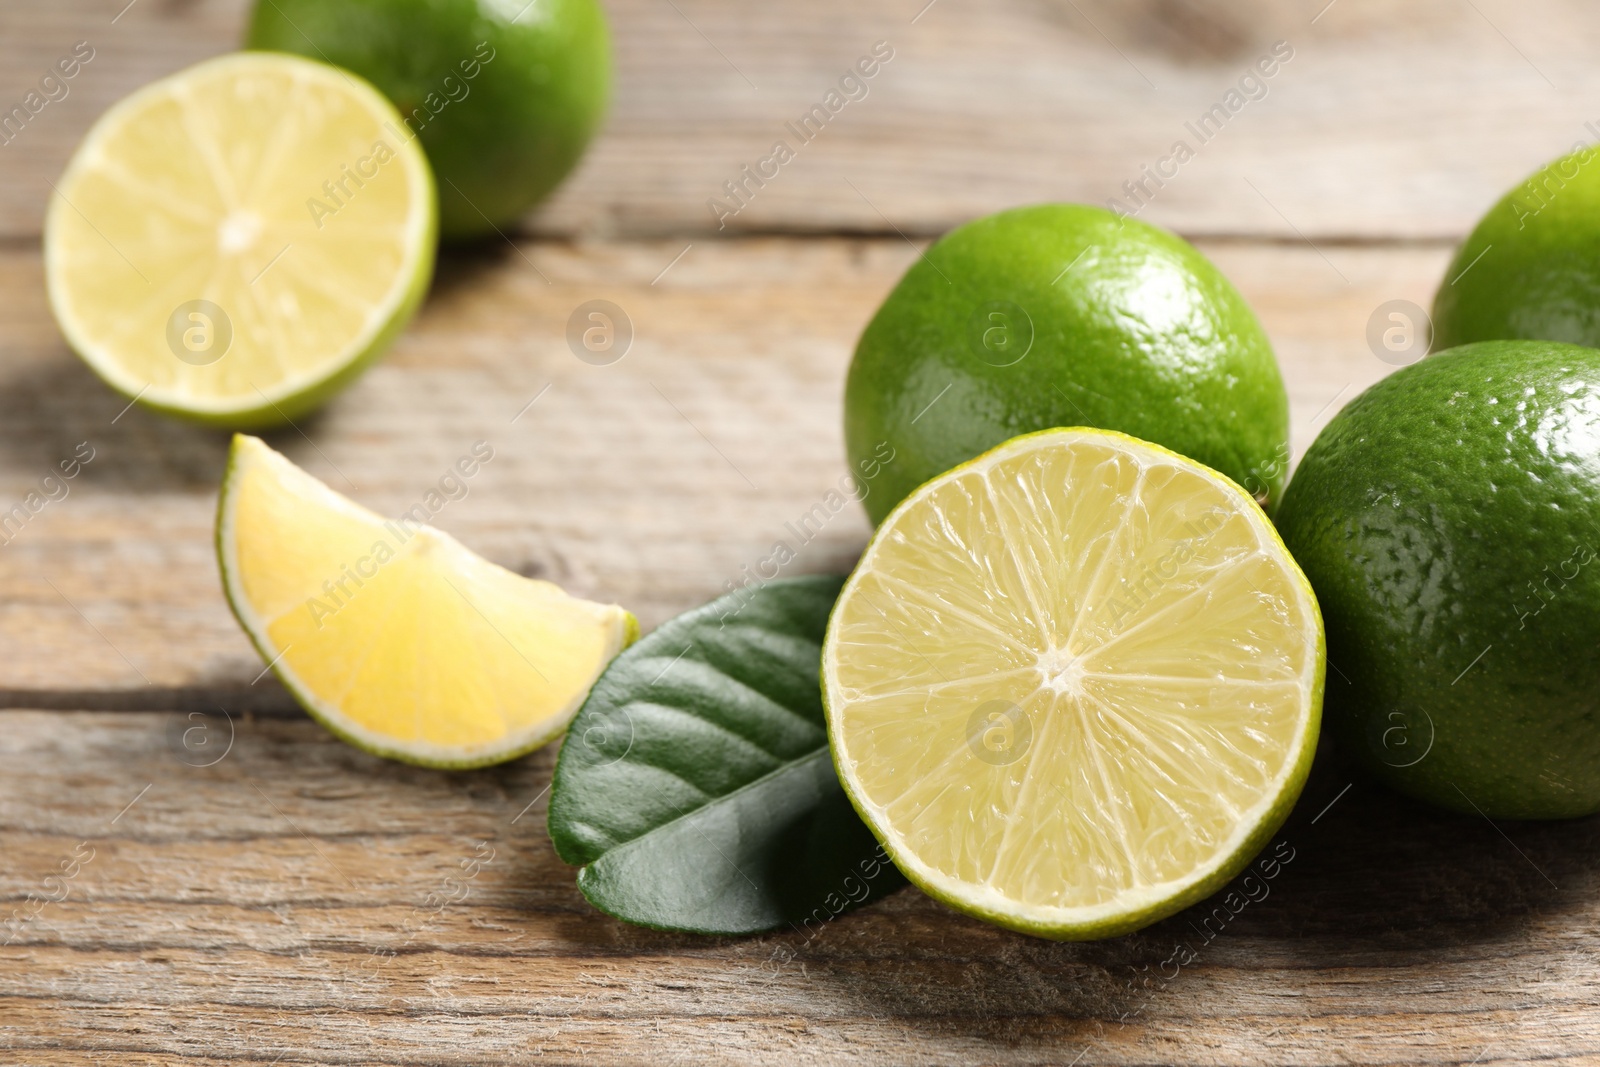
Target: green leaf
point(695, 786)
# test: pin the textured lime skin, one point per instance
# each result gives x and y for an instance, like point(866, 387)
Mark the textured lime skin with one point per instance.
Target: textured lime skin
point(1454, 508)
point(499, 141)
point(1133, 330)
point(1531, 268)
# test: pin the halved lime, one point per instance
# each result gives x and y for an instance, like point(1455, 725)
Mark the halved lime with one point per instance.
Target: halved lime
point(1074, 684)
point(236, 242)
point(391, 633)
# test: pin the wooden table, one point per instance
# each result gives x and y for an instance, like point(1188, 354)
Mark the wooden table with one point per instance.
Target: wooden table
point(268, 905)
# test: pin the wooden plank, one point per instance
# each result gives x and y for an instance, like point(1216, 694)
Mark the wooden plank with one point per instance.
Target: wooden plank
point(1390, 120)
point(649, 482)
point(275, 896)
point(248, 909)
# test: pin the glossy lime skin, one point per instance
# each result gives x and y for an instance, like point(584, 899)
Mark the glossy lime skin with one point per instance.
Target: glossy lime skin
point(503, 108)
point(1531, 268)
point(1104, 323)
point(1449, 521)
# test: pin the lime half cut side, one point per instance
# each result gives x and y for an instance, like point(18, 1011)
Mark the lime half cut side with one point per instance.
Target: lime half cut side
point(237, 241)
point(391, 633)
point(1074, 684)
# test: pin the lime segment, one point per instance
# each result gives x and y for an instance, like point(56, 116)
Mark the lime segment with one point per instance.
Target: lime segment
point(393, 634)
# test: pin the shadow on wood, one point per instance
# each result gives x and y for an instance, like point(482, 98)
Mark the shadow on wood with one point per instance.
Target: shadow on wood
point(1374, 882)
point(47, 407)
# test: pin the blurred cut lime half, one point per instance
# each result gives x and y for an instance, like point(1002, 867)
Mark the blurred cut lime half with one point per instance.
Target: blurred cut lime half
point(236, 242)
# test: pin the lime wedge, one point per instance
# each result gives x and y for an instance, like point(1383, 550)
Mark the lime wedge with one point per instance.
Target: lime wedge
point(1074, 684)
point(237, 241)
point(392, 634)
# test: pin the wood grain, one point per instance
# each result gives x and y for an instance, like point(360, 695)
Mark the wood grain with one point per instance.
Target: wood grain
point(265, 894)
point(649, 482)
point(274, 907)
point(1391, 121)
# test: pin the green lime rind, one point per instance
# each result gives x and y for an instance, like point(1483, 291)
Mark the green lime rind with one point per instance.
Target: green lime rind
point(271, 655)
point(1530, 270)
point(1449, 519)
point(1102, 322)
point(1223, 870)
point(505, 101)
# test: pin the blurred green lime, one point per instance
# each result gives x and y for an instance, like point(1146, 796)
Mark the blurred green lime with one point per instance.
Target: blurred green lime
point(1531, 268)
point(504, 94)
point(1062, 315)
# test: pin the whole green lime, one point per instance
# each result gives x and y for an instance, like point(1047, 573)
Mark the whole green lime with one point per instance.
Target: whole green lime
point(503, 94)
point(1449, 521)
point(1061, 315)
point(1531, 268)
